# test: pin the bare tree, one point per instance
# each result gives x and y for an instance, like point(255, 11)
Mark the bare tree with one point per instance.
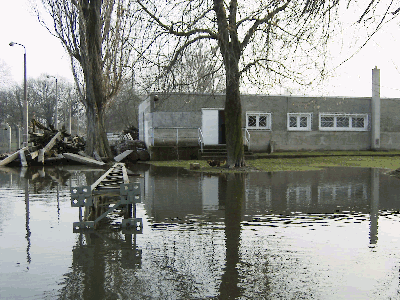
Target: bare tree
point(5, 75)
point(369, 17)
point(197, 71)
point(95, 33)
point(261, 40)
point(122, 113)
point(42, 100)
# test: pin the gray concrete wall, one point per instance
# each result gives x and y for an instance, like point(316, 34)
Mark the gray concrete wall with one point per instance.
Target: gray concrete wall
point(184, 110)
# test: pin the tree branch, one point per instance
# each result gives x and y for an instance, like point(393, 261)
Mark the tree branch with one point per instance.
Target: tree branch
point(259, 22)
point(170, 28)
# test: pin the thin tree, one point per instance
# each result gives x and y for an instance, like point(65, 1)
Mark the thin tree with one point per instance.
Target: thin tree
point(95, 33)
point(257, 40)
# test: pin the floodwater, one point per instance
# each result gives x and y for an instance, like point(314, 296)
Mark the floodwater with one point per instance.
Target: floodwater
point(329, 234)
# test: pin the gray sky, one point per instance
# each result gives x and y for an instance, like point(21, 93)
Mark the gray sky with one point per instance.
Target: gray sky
point(46, 55)
point(44, 52)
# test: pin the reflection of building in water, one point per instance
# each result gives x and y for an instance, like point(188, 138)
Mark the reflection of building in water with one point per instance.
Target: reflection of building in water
point(325, 191)
point(314, 191)
point(298, 195)
point(373, 235)
point(328, 191)
point(209, 191)
point(339, 193)
point(172, 193)
point(256, 194)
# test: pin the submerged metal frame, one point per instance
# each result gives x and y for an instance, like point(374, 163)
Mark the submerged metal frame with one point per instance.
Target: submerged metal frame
point(114, 182)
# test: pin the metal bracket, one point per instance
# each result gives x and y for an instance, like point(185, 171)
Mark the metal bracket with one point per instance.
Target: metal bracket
point(83, 226)
point(130, 193)
point(134, 225)
point(81, 196)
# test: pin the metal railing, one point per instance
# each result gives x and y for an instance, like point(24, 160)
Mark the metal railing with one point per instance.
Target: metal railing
point(247, 138)
point(176, 136)
point(200, 139)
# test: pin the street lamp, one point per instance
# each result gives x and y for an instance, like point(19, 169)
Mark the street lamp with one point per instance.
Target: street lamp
point(56, 117)
point(25, 113)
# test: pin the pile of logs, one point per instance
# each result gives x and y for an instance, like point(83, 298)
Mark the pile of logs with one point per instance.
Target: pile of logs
point(51, 145)
point(45, 144)
point(54, 141)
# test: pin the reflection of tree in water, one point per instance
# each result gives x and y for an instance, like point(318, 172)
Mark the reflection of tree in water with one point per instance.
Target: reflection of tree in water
point(104, 263)
point(103, 266)
point(47, 179)
point(231, 194)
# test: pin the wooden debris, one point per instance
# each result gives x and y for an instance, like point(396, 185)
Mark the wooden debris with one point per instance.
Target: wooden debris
point(53, 146)
point(121, 156)
point(23, 158)
point(97, 156)
point(11, 157)
point(83, 159)
point(49, 146)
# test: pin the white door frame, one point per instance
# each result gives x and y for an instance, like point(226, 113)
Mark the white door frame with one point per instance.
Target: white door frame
point(210, 125)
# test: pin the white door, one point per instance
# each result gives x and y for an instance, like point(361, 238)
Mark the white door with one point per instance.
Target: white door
point(210, 126)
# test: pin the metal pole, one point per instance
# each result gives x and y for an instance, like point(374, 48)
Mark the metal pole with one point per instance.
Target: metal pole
point(69, 118)
point(25, 104)
point(9, 134)
point(19, 137)
point(56, 112)
point(25, 112)
point(56, 118)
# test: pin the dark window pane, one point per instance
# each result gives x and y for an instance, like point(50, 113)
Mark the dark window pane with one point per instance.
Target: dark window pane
point(292, 121)
point(358, 122)
point(262, 121)
point(252, 121)
point(342, 122)
point(326, 121)
point(303, 121)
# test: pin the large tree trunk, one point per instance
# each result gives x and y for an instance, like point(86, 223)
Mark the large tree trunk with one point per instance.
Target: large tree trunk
point(93, 72)
point(230, 50)
point(96, 133)
point(233, 116)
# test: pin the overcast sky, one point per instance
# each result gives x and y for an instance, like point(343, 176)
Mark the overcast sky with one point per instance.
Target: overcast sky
point(46, 55)
point(44, 52)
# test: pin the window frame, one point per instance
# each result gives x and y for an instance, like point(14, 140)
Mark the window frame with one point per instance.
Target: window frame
point(298, 116)
point(350, 127)
point(258, 114)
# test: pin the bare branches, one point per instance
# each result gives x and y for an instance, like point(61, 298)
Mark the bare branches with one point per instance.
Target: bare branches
point(172, 29)
point(259, 22)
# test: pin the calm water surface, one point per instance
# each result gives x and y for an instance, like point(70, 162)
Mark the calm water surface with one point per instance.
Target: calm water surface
point(330, 234)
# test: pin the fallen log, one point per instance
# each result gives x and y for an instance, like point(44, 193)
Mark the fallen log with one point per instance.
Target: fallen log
point(11, 157)
point(123, 155)
point(82, 159)
point(48, 147)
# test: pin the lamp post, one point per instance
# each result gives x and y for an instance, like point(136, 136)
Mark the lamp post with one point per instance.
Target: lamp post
point(56, 117)
point(25, 112)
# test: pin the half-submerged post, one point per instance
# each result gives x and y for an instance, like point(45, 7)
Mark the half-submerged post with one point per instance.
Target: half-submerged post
point(376, 110)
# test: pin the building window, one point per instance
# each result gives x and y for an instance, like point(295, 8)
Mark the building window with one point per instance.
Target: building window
point(299, 121)
point(343, 122)
point(261, 121)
